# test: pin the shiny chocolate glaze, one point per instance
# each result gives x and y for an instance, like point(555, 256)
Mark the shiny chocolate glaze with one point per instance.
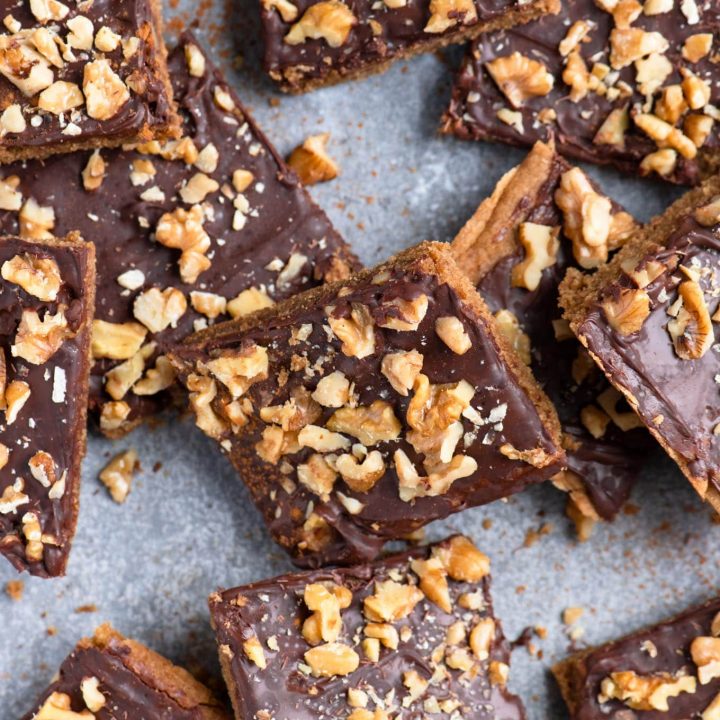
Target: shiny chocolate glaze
point(282, 219)
point(476, 98)
point(384, 515)
point(275, 608)
point(684, 393)
point(52, 420)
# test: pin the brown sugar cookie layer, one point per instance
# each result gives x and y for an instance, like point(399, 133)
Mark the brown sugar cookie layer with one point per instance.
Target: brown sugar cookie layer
point(359, 412)
point(109, 677)
point(209, 226)
point(650, 319)
point(309, 43)
point(516, 248)
point(82, 75)
point(622, 83)
point(407, 637)
point(668, 671)
point(46, 306)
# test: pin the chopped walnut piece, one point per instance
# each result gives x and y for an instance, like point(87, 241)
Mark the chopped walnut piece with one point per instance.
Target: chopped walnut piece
point(541, 245)
point(520, 78)
point(356, 332)
point(644, 692)
point(117, 475)
point(60, 97)
point(197, 188)
point(481, 638)
point(254, 652)
point(183, 230)
point(444, 14)
point(105, 92)
point(452, 332)
point(576, 76)
point(608, 401)
point(697, 91)
point(38, 340)
point(249, 301)
point(36, 275)
point(708, 214)
point(411, 485)
point(93, 698)
point(10, 197)
point(369, 424)
point(664, 133)
point(361, 476)
point(627, 310)
point(510, 328)
point(332, 659)
point(156, 379)
point(288, 12)
point(401, 368)
point(117, 341)
point(576, 34)
point(238, 371)
point(311, 161)
point(322, 440)
point(691, 330)
point(697, 46)
point(630, 44)
point(405, 315)
point(333, 390)
point(203, 390)
point(329, 20)
point(23, 66)
point(57, 707)
point(705, 652)
point(671, 105)
point(651, 73)
point(209, 304)
point(159, 309)
point(613, 129)
point(94, 172)
point(594, 420)
point(698, 128)
point(662, 162)
point(462, 560)
point(392, 601)
point(36, 221)
point(433, 582)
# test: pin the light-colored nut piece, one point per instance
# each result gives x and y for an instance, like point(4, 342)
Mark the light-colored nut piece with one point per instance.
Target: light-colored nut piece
point(156, 379)
point(391, 601)
point(93, 173)
point(36, 221)
point(401, 368)
point(249, 301)
point(195, 60)
point(113, 416)
point(356, 333)
point(311, 161)
point(594, 420)
point(23, 66)
point(117, 341)
point(452, 332)
point(444, 14)
point(333, 390)
point(288, 12)
point(13, 497)
point(10, 197)
point(412, 485)
point(106, 40)
point(254, 652)
point(433, 582)
point(541, 245)
point(664, 134)
point(208, 304)
point(712, 711)
point(42, 468)
point(322, 440)
point(671, 105)
point(46, 10)
point(361, 476)
point(662, 162)
point(183, 230)
point(370, 424)
point(644, 692)
point(691, 330)
point(520, 78)
point(651, 73)
point(576, 33)
point(697, 91)
point(627, 310)
point(325, 624)
point(698, 128)
point(159, 309)
point(657, 7)
point(117, 475)
point(33, 535)
point(405, 315)
point(708, 214)
point(197, 188)
point(576, 76)
point(12, 120)
point(39, 276)
point(613, 129)
point(38, 340)
point(697, 46)
point(122, 377)
point(332, 659)
point(105, 92)
point(630, 44)
point(57, 707)
point(481, 638)
point(240, 370)
point(93, 698)
point(60, 97)
point(705, 652)
point(329, 20)
point(608, 400)
point(510, 328)
point(462, 560)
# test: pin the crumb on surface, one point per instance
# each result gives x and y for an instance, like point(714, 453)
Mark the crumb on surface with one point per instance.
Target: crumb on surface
point(15, 589)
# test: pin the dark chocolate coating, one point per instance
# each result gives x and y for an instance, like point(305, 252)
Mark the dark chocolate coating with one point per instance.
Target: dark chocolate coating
point(56, 427)
point(282, 220)
point(151, 108)
point(384, 515)
point(578, 122)
point(276, 608)
point(683, 392)
point(672, 639)
point(608, 467)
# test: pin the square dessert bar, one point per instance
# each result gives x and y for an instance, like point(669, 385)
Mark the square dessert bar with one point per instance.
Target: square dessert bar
point(649, 320)
point(359, 412)
point(109, 677)
point(544, 217)
point(47, 291)
point(614, 82)
point(670, 671)
point(309, 43)
point(81, 75)
point(410, 636)
point(209, 226)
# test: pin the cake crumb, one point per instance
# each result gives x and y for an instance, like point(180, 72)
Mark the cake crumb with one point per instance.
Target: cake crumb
point(15, 589)
point(572, 614)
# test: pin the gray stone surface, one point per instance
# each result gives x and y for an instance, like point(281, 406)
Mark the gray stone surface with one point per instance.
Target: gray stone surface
point(188, 525)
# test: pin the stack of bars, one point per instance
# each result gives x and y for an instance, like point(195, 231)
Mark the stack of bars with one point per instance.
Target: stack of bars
point(553, 339)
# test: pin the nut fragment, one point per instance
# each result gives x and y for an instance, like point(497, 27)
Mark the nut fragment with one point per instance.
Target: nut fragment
point(117, 475)
point(333, 390)
point(541, 245)
point(329, 20)
point(36, 275)
point(391, 601)
point(452, 332)
point(361, 476)
point(158, 310)
point(23, 66)
point(697, 46)
point(311, 161)
point(105, 92)
point(510, 328)
point(405, 315)
point(644, 692)
point(57, 707)
point(249, 301)
point(36, 221)
point(93, 173)
point(117, 341)
point(520, 78)
point(462, 560)
point(239, 370)
point(691, 330)
point(632, 43)
point(183, 230)
point(412, 485)
point(433, 582)
point(627, 310)
point(93, 698)
point(369, 424)
point(401, 368)
point(38, 340)
point(481, 638)
point(705, 652)
point(707, 215)
point(356, 332)
point(662, 162)
point(446, 13)
point(332, 659)
point(254, 652)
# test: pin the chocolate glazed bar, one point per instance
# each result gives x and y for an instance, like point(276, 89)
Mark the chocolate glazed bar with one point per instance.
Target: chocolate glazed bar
point(623, 83)
point(359, 412)
point(210, 226)
point(310, 43)
point(544, 217)
point(669, 671)
point(408, 637)
point(82, 75)
point(46, 310)
point(109, 677)
point(649, 319)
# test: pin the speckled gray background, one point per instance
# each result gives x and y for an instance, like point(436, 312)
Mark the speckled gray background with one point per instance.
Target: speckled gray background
point(188, 525)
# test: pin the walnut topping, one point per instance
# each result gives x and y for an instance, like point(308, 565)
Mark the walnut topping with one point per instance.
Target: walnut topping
point(671, 105)
point(332, 659)
point(322, 440)
point(208, 304)
point(36, 275)
point(249, 301)
point(93, 698)
point(12, 120)
point(691, 329)
point(183, 230)
point(664, 134)
point(117, 475)
point(36, 221)
point(158, 310)
point(385, 633)
point(509, 326)
point(705, 652)
point(38, 340)
point(60, 97)
point(392, 601)
point(23, 66)
point(405, 315)
point(433, 582)
point(10, 197)
point(94, 172)
point(698, 128)
point(361, 476)
point(57, 707)
point(195, 60)
point(452, 332)
point(630, 44)
point(520, 78)
point(105, 92)
point(238, 371)
point(333, 390)
point(13, 497)
point(254, 652)
point(156, 379)
point(651, 73)
point(696, 91)
point(594, 420)
point(707, 215)
point(117, 341)
point(33, 535)
point(401, 369)
point(576, 34)
point(114, 415)
point(627, 311)
point(369, 424)
point(446, 13)
point(608, 401)
point(481, 638)
point(644, 692)
point(325, 624)
point(462, 560)
point(541, 245)
point(122, 377)
point(356, 332)
point(329, 20)
point(613, 129)
point(197, 188)
point(662, 162)
point(311, 161)
point(696, 47)
point(288, 12)
point(412, 485)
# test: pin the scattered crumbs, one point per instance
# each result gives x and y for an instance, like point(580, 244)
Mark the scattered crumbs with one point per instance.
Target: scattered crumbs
point(51, 630)
point(520, 589)
point(14, 589)
point(541, 631)
point(487, 523)
point(532, 535)
point(572, 614)
point(157, 466)
point(90, 608)
point(631, 508)
point(274, 102)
